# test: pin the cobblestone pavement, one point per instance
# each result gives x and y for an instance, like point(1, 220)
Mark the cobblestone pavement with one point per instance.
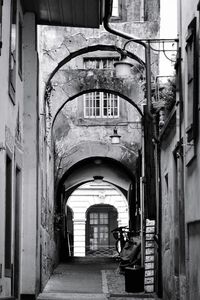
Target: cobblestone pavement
point(88, 280)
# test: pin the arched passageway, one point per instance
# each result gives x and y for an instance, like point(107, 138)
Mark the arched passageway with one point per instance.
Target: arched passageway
point(98, 208)
point(118, 189)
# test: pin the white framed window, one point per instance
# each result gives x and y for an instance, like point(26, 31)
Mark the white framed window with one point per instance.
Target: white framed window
point(99, 62)
point(101, 105)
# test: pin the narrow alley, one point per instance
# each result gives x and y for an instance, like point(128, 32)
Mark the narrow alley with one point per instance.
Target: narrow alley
point(99, 149)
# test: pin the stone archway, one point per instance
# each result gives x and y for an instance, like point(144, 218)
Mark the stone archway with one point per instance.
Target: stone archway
point(65, 85)
point(111, 207)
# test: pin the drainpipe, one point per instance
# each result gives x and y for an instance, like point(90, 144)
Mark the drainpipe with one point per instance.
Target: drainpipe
point(108, 13)
point(146, 45)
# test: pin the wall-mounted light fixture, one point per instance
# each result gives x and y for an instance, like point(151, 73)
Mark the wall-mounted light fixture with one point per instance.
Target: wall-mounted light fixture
point(115, 137)
point(123, 67)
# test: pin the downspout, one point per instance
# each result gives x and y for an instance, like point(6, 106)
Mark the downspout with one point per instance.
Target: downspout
point(108, 13)
point(146, 45)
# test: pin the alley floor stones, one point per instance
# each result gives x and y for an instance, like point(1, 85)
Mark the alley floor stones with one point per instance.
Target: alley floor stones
point(88, 279)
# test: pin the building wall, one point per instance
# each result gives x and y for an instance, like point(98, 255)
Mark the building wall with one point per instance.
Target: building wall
point(169, 215)
point(19, 140)
point(11, 132)
point(67, 83)
point(192, 165)
point(180, 167)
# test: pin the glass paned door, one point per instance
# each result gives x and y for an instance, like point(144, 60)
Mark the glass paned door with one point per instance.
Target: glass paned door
point(98, 231)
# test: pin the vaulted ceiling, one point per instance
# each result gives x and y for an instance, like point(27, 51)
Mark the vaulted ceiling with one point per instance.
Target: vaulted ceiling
point(76, 13)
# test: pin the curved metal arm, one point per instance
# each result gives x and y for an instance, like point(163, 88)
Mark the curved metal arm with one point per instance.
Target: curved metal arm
point(146, 45)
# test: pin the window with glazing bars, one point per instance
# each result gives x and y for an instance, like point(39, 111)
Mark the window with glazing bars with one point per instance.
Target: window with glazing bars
point(99, 63)
point(12, 57)
point(101, 105)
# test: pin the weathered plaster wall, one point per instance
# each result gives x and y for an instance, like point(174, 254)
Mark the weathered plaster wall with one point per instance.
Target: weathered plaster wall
point(91, 148)
point(56, 42)
point(192, 167)
point(11, 140)
point(67, 84)
point(75, 136)
point(169, 193)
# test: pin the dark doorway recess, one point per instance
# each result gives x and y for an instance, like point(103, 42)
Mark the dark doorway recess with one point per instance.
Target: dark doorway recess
point(17, 232)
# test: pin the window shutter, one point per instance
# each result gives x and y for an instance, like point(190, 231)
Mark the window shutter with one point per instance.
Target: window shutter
point(192, 82)
point(1, 10)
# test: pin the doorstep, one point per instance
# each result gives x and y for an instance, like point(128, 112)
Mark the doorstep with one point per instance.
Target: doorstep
point(134, 296)
point(7, 298)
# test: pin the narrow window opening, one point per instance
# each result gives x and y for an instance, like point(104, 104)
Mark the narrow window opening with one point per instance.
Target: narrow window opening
point(12, 58)
point(115, 8)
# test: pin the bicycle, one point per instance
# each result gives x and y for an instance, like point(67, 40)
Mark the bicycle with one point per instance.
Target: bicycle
point(128, 247)
point(122, 235)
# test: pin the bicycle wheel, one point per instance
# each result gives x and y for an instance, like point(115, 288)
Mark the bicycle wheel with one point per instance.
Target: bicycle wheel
point(118, 246)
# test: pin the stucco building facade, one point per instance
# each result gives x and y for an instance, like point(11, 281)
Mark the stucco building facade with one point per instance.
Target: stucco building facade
point(33, 187)
point(179, 166)
point(60, 100)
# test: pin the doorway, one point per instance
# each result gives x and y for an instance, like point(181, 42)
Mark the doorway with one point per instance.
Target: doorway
point(16, 272)
point(101, 220)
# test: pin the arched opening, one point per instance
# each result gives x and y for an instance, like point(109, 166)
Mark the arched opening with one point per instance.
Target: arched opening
point(106, 90)
point(93, 48)
point(95, 210)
